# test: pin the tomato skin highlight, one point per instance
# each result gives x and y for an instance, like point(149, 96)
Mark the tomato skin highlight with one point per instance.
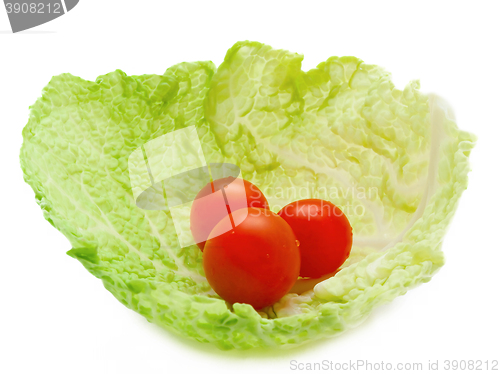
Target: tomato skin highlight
point(257, 262)
point(209, 206)
point(324, 233)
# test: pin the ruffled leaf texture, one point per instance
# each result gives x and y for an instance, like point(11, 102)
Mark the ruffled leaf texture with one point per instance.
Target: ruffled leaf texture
point(340, 132)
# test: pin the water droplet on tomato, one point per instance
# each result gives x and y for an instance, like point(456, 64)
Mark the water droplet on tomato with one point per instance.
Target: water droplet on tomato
point(297, 242)
point(267, 255)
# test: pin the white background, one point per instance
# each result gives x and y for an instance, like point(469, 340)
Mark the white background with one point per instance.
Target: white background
point(57, 318)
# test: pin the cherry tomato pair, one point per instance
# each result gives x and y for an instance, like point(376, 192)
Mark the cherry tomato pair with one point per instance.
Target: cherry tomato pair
point(254, 256)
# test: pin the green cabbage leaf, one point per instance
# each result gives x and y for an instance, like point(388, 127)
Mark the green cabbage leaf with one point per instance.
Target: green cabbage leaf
point(393, 160)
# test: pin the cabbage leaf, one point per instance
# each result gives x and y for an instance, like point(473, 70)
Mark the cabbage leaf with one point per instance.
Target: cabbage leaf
point(393, 160)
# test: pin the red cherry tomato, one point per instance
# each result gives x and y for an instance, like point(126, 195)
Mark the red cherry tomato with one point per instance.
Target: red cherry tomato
point(256, 262)
point(216, 199)
point(324, 234)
